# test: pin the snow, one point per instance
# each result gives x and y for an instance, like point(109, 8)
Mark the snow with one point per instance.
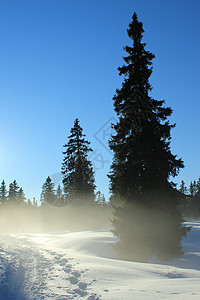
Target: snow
point(84, 265)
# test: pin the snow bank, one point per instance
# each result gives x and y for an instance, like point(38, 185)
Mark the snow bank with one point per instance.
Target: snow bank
point(84, 265)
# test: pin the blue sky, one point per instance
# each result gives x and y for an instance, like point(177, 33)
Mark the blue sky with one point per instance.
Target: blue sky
point(59, 60)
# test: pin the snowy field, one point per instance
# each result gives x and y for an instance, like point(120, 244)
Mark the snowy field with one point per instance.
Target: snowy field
point(83, 265)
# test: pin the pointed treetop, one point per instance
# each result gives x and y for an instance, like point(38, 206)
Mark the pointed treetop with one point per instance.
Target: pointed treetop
point(135, 28)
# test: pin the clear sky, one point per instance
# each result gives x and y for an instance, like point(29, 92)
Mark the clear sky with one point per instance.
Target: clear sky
point(58, 62)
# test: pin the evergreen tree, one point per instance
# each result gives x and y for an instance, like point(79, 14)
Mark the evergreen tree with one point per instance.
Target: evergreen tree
point(197, 196)
point(29, 202)
point(194, 203)
point(21, 196)
point(3, 193)
point(195, 187)
point(100, 198)
point(148, 223)
point(48, 192)
point(77, 170)
point(34, 202)
point(60, 197)
point(192, 188)
point(183, 198)
point(13, 192)
point(183, 188)
point(198, 187)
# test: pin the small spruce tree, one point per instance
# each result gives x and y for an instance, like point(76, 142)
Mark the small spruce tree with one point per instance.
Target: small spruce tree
point(183, 205)
point(100, 198)
point(192, 188)
point(194, 199)
point(3, 193)
point(34, 202)
point(198, 187)
point(60, 197)
point(183, 188)
point(21, 196)
point(48, 192)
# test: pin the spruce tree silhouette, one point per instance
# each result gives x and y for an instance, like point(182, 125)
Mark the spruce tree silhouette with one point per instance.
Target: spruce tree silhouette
point(77, 170)
point(3, 193)
point(148, 223)
point(48, 193)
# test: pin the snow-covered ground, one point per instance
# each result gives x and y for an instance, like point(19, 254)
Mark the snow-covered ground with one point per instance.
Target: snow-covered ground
point(83, 265)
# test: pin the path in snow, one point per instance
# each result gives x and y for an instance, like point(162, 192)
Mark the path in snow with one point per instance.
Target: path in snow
point(29, 272)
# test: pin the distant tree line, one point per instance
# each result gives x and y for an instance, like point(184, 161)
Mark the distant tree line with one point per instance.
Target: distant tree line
point(14, 195)
point(190, 199)
point(49, 195)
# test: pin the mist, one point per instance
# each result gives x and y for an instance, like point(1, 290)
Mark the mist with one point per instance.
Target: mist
point(18, 218)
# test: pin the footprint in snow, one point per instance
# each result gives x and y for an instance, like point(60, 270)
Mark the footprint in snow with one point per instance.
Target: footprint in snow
point(67, 269)
point(76, 274)
point(80, 292)
point(82, 285)
point(73, 280)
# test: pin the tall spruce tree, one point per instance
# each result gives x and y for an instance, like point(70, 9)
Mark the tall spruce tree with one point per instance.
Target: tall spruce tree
point(48, 193)
point(77, 170)
point(3, 193)
point(148, 223)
